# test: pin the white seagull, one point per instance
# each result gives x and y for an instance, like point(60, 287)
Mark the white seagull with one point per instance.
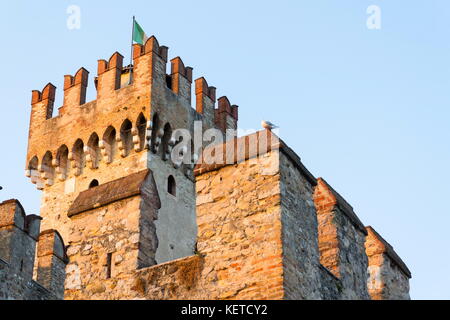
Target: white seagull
point(269, 125)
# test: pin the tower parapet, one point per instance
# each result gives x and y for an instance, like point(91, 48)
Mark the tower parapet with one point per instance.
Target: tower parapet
point(136, 94)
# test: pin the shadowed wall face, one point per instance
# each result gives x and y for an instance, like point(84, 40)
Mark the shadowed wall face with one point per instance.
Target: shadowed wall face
point(19, 235)
point(388, 274)
point(341, 241)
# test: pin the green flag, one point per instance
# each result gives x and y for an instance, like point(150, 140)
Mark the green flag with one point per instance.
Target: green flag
point(139, 35)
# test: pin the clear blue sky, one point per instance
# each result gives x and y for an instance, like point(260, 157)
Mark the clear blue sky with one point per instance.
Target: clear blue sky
point(368, 110)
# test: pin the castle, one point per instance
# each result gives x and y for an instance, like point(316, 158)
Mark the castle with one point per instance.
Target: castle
point(123, 219)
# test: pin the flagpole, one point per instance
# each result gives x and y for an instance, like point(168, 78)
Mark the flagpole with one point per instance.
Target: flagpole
point(132, 40)
point(131, 55)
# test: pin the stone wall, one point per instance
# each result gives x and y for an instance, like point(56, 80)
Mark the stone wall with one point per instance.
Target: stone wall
point(108, 233)
point(352, 259)
point(341, 241)
point(330, 286)
point(57, 199)
point(239, 246)
point(18, 237)
point(3, 273)
point(176, 227)
point(388, 274)
point(240, 229)
point(299, 221)
point(112, 235)
point(13, 286)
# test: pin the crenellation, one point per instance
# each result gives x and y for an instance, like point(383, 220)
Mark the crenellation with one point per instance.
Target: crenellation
point(205, 102)
point(47, 94)
point(151, 46)
point(181, 79)
point(42, 106)
point(226, 116)
point(109, 75)
point(75, 88)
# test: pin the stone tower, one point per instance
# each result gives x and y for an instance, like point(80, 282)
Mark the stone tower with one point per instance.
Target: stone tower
point(109, 184)
point(148, 214)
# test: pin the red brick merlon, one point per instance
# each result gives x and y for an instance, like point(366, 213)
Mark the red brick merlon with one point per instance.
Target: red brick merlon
point(249, 147)
point(390, 252)
point(342, 204)
point(110, 192)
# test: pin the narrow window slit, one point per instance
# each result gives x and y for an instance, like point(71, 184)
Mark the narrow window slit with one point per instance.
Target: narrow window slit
point(109, 265)
point(172, 186)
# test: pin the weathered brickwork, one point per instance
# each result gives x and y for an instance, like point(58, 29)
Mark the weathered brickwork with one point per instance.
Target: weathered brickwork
point(138, 224)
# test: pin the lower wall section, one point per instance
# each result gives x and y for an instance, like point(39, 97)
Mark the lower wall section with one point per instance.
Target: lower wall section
point(176, 280)
point(331, 286)
point(14, 287)
point(3, 289)
point(191, 278)
point(299, 223)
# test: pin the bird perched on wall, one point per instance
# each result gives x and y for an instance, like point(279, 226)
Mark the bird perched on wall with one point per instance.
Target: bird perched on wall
point(269, 125)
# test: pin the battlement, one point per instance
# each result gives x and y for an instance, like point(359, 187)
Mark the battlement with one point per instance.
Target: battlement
point(75, 88)
point(377, 245)
point(327, 199)
point(388, 274)
point(133, 106)
point(19, 235)
point(151, 46)
point(226, 115)
point(12, 215)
